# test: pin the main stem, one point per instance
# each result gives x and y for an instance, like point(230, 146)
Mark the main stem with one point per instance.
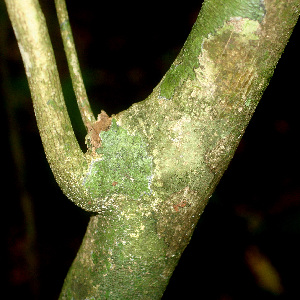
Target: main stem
point(192, 124)
point(189, 128)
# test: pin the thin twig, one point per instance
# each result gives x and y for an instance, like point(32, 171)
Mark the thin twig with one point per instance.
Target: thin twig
point(73, 63)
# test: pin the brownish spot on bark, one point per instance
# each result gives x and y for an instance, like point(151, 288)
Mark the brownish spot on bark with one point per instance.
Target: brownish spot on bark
point(181, 204)
point(102, 124)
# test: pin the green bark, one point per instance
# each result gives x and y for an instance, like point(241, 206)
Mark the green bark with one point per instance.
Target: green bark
point(161, 159)
point(69, 46)
point(192, 123)
point(64, 155)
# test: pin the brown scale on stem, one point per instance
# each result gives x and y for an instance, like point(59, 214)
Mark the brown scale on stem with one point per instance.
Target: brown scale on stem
point(102, 123)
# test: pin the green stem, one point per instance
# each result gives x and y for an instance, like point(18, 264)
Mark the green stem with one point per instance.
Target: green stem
point(70, 50)
point(64, 155)
point(191, 125)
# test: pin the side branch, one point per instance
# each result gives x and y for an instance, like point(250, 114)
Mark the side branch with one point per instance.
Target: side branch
point(61, 147)
point(73, 63)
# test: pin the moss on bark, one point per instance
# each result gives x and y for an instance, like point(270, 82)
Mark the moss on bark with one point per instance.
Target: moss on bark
point(192, 124)
point(187, 129)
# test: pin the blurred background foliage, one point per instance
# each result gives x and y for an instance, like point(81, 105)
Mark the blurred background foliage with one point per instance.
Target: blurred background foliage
point(246, 243)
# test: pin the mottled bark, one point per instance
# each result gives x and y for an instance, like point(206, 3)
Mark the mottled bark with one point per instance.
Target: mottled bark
point(160, 160)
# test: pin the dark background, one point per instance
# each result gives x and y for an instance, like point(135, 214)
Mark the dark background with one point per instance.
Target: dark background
point(246, 243)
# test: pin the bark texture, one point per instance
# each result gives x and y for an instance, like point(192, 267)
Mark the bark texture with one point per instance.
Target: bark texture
point(64, 155)
point(160, 160)
point(192, 124)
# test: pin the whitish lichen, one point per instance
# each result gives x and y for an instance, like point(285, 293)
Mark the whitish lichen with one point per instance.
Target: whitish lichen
point(124, 167)
point(184, 65)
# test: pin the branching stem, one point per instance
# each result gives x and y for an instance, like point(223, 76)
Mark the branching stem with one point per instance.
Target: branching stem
point(73, 63)
point(64, 155)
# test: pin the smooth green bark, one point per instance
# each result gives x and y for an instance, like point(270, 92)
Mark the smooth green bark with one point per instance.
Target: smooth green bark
point(74, 68)
point(189, 128)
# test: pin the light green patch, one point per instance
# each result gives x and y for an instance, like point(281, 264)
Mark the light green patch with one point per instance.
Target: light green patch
point(52, 103)
point(176, 167)
point(124, 166)
point(249, 29)
point(248, 102)
point(213, 16)
point(225, 57)
point(244, 29)
point(67, 147)
point(224, 79)
point(95, 258)
point(65, 25)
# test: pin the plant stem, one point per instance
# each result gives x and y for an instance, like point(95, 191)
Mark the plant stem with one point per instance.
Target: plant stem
point(73, 63)
point(64, 155)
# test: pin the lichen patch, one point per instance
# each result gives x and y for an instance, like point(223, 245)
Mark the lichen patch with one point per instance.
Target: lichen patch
point(123, 167)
